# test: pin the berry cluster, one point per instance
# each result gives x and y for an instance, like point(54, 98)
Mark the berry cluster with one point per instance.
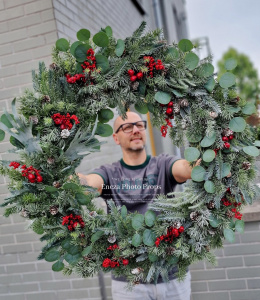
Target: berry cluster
point(235, 205)
point(113, 263)
point(64, 120)
point(169, 115)
point(134, 77)
point(151, 64)
point(73, 221)
point(14, 164)
point(171, 234)
point(32, 174)
point(227, 137)
point(113, 247)
point(88, 67)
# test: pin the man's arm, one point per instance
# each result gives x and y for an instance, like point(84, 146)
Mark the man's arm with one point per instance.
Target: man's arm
point(181, 169)
point(94, 180)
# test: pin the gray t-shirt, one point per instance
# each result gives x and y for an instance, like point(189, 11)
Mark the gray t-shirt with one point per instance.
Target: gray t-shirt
point(136, 186)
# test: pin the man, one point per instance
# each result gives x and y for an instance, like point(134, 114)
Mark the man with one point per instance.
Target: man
point(134, 181)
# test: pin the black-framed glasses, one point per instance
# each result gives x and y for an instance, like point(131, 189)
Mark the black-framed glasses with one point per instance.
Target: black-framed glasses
point(128, 127)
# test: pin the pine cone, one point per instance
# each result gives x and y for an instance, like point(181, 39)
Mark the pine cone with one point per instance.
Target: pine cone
point(234, 100)
point(65, 133)
point(211, 204)
point(207, 248)
point(34, 119)
point(93, 214)
point(54, 67)
point(136, 271)
point(24, 213)
point(227, 132)
point(176, 108)
point(136, 282)
point(177, 224)
point(46, 99)
point(56, 184)
point(111, 239)
point(54, 209)
point(246, 165)
point(194, 215)
point(170, 250)
point(135, 85)
point(230, 214)
point(184, 103)
point(50, 161)
point(213, 114)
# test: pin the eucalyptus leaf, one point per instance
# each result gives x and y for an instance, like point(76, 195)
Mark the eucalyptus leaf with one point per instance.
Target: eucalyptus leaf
point(229, 235)
point(74, 46)
point(123, 212)
point(205, 70)
point(104, 130)
point(82, 199)
point(80, 52)
point(251, 150)
point(152, 257)
point(240, 226)
point(249, 109)
point(137, 221)
point(120, 47)
point(58, 266)
point(162, 97)
point(72, 259)
point(141, 108)
point(209, 187)
point(149, 218)
point(96, 236)
point(198, 174)
point(52, 255)
point(191, 154)
point(214, 222)
point(83, 35)
point(191, 61)
point(66, 244)
point(174, 52)
point(105, 115)
point(149, 237)
point(71, 186)
point(101, 39)
point(185, 45)
point(230, 64)
point(109, 31)
point(62, 44)
point(208, 140)
point(257, 143)
point(86, 251)
point(237, 124)
point(16, 143)
point(74, 249)
point(227, 80)
point(136, 240)
point(2, 135)
point(210, 84)
point(208, 155)
point(102, 62)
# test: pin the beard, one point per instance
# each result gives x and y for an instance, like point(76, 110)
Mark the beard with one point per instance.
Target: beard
point(136, 148)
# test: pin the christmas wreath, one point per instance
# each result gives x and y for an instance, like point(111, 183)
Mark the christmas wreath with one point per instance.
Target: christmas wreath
point(58, 124)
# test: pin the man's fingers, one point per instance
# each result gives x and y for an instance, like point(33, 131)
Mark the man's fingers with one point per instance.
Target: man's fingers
point(198, 162)
point(229, 175)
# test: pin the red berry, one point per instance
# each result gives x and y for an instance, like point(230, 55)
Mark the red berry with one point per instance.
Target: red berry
point(131, 72)
point(169, 111)
point(139, 75)
point(62, 126)
point(39, 178)
point(175, 232)
point(170, 104)
point(227, 145)
point(31, 177)
point(133, 78)
point(181, 229)
point(125, 262)
point(162, 104)
point(225, 139)
point(231, 137)
point(171, 117)
point(32, 180)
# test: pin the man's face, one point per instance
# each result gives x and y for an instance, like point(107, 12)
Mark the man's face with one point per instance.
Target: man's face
point(130, 141)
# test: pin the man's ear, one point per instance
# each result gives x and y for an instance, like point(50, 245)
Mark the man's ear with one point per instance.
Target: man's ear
point(116, 139)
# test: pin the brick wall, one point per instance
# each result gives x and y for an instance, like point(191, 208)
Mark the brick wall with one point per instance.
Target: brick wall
point(28, 29)
point(237, 276)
